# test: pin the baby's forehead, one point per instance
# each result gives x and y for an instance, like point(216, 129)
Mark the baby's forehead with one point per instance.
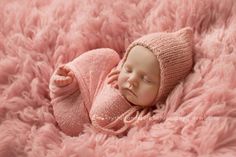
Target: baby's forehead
point(146, 67)
point(142, 56)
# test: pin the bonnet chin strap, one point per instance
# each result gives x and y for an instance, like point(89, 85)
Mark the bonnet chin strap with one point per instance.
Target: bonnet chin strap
point(140, 115)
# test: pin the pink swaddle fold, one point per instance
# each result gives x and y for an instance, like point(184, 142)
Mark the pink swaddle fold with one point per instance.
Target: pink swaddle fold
point(72, 103)
point(113, 114)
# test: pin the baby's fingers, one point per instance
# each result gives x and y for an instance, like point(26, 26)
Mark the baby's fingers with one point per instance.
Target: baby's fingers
point(61, 71)
point(112, 78)
point(62, 81)
point(64, 71)
point(71, 74)
point(115, 85)
point(113, 72)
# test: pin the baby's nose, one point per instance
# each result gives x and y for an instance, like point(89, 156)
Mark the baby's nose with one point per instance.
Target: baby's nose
point(133, 80)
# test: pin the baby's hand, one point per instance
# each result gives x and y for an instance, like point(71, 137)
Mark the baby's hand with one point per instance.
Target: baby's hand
point(64, 76)
point(113, 77)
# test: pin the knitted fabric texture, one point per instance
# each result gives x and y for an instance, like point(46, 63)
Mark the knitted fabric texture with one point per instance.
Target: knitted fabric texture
point(72, 103)
point(108, 111)
point(174, 54)
point(112, 114)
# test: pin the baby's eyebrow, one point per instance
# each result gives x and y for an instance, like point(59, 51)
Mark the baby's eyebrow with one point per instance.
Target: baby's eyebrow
point(150, 76)
point(127, 65)
point(143, 73)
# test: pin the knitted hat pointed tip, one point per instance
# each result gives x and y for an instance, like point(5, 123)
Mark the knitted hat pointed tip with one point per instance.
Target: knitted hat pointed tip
point(187, 30)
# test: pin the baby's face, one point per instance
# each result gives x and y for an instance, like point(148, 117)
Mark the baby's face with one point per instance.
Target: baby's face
point(139, 79)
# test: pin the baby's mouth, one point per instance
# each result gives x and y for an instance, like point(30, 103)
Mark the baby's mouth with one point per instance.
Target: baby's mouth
point(130, 91)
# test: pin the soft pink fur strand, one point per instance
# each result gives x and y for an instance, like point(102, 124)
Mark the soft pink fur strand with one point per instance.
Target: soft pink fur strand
point(37, 36)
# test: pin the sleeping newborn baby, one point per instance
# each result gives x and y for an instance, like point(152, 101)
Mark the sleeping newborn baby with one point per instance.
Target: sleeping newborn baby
point(112, 93)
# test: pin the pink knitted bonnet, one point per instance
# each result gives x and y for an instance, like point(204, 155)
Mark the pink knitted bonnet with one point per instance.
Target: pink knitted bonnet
point(174, 53)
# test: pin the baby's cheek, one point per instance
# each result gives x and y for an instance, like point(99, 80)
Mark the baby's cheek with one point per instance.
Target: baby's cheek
point(121, 79)
point(149, 92)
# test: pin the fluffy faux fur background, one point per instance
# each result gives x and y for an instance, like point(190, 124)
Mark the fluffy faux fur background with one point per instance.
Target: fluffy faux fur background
point(36, 36)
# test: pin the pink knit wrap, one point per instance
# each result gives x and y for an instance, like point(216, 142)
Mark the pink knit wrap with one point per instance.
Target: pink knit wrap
point(114, 114)
point(71, 104)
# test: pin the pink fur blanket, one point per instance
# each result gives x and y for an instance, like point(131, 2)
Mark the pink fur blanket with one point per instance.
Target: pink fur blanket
point(38, 35)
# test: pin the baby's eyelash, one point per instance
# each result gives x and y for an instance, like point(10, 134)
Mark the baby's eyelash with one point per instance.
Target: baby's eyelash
point(146, 79)
point(127, 69)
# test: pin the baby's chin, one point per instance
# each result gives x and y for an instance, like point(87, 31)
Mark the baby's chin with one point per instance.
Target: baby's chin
point(129, 97)
point(133, 100)
point(130, 100)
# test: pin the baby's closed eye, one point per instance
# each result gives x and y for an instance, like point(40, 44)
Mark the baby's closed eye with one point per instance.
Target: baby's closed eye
point(128, 69)
point(146, 79)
